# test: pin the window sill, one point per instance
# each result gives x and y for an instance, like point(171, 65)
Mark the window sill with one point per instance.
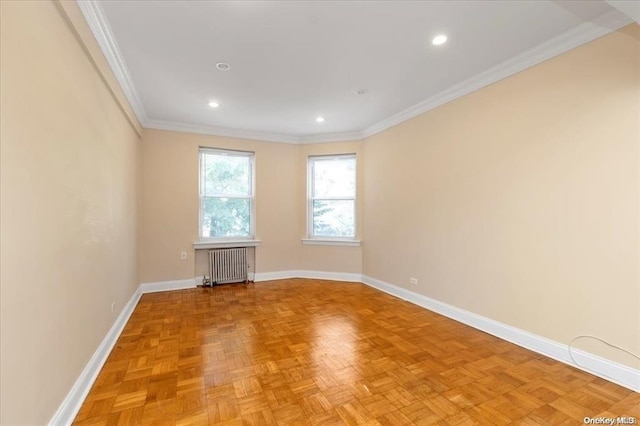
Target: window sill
point(211, 244)
point(330, 242)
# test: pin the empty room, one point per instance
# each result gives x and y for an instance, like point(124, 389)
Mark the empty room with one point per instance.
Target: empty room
point(319, 212)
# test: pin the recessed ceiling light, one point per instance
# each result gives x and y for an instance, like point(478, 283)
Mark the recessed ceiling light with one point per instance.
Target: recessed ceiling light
point(214, 104)
point(361, 92)
point(439, 39)
point(320, 120)
point(223, 66)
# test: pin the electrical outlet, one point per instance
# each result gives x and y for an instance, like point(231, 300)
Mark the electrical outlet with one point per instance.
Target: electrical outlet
point(113, 306)
point(183, 255)
point(413, 281)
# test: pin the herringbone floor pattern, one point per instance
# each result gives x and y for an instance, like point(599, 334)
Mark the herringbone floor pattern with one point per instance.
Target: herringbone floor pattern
point(317, 352)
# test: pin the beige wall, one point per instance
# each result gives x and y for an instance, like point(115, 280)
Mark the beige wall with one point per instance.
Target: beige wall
point(329, 258)
point(169, 206)
point(519, 202)
point(69, 181)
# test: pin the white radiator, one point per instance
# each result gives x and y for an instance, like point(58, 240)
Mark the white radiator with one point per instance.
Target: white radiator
point(228, 265)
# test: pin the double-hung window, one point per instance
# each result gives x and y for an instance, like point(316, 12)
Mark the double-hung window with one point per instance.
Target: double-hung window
point(332, 197)
point(226, 194)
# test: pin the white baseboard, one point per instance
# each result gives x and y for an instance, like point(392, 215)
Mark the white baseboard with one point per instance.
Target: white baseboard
point(297, 273)
point(169, 285)
point(609, 370)
point(331, 276)
point(601, 367)
point(74, 399)
point(277, 275)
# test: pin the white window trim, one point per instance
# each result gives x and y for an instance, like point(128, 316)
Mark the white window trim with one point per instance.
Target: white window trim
point(325, 240)
point(348, 242)
point(222, 242)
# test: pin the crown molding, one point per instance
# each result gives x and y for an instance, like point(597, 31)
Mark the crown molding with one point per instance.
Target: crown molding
point(582, 34)
point(101, 30)
point(332, 137)
point(251, 134)
point(220, 131)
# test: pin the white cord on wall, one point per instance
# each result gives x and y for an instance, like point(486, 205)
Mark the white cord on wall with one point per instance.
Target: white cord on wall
point(601, 341)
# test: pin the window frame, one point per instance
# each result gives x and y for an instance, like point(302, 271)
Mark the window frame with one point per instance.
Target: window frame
point(321, 239)
point(252, 211)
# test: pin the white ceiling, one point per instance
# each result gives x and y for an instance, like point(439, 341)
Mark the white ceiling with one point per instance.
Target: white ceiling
point(292, 61)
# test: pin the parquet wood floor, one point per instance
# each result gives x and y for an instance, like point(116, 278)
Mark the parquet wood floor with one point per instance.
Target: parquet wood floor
point(319, 352)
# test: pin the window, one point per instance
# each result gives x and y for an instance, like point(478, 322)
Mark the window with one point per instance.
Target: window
point(226, 194)
point(332, 196)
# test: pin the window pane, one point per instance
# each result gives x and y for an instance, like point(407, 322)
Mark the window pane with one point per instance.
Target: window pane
point(226, 175)
point(333, 218)
point(226, 217)
point(334, 177)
